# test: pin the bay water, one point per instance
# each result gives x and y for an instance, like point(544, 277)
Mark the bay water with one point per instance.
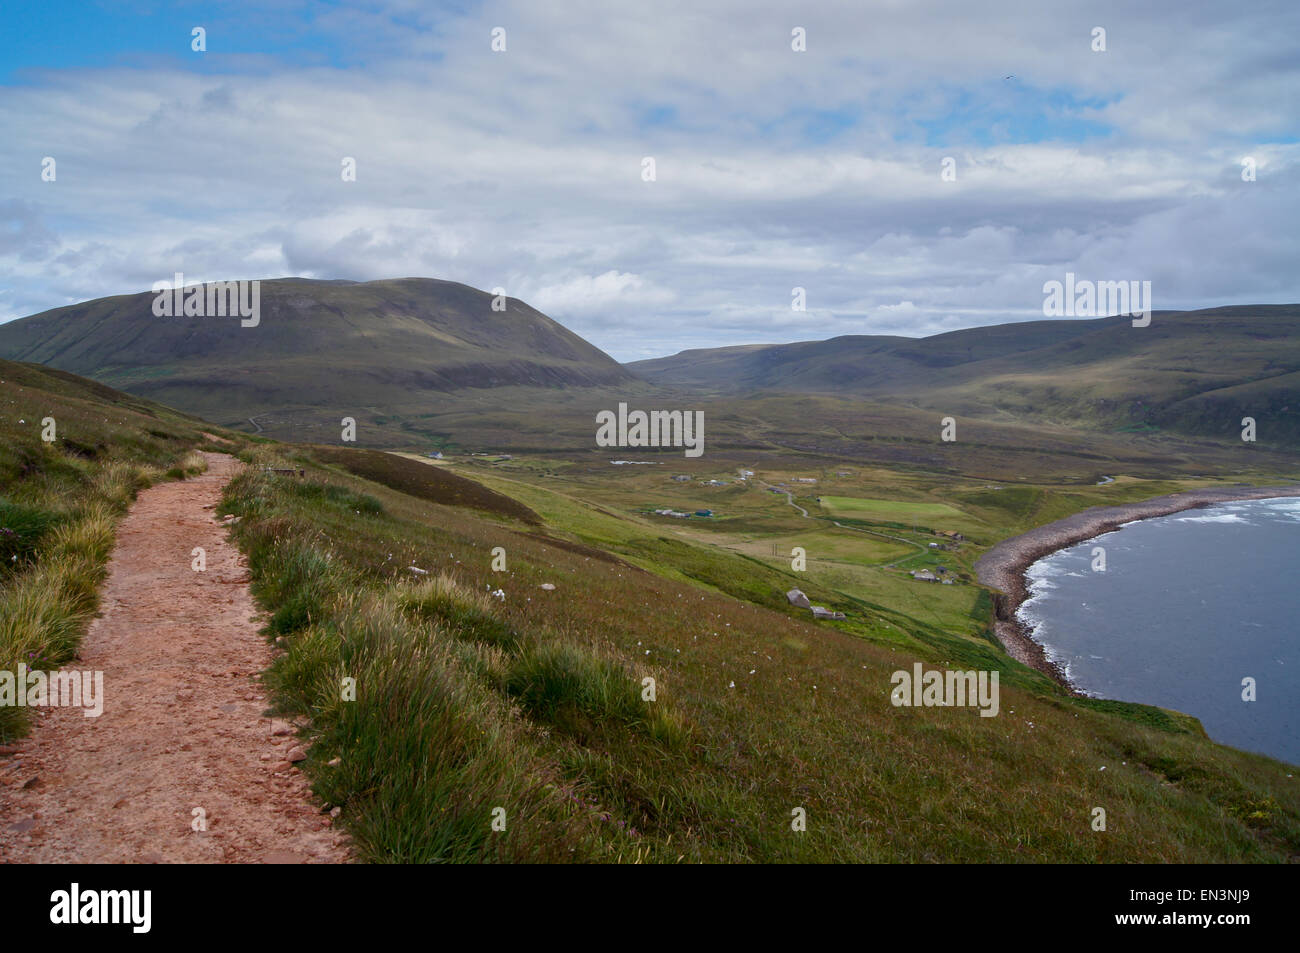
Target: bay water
point(1188, 606)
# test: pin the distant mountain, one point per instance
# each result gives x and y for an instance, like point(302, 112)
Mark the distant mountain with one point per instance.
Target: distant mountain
point(320, 350)
point(1197, 372)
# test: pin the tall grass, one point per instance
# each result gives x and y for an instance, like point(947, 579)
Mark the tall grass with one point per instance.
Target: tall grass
point(580, 690)
point(45, 610)
point(192, 464)
point(451, 699)
point(426, 751)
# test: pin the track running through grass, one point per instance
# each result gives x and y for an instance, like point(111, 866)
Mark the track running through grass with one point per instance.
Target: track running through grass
point(182, 738)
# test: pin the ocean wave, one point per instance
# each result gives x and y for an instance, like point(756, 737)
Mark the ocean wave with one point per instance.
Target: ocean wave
point(1039, 584)
point(1058, 658)
point(1027, 615)
point(1288, 508)
point(1215, 518)
point(1050, 566)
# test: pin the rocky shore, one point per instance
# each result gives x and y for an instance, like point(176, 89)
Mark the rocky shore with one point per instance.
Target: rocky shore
point(1003, 567)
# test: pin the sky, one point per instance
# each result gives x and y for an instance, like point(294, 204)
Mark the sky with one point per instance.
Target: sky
point(774, 168)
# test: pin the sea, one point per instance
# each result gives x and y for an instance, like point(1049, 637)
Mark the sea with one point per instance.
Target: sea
point(1198, 611)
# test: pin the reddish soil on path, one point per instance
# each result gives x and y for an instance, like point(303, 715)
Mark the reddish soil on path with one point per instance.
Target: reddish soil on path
point(182, 725)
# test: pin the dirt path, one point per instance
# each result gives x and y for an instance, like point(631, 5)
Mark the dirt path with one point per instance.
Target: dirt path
point(182, 725)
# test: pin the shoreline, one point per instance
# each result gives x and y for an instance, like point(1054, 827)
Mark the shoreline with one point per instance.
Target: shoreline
point(1002, 568)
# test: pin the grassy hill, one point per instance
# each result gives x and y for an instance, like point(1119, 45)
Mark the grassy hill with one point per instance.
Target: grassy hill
point(425, 364)
point(377, 351)
point(1195, 372)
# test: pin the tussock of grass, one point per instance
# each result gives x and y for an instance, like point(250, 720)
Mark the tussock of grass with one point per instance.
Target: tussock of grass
point(444, 595)
point(427, 750)
point(45, 610)
point(332, 493)
point(194, 463)
point(21, 530)
point(116, 483)
point(464, 612)
point(578, 691)
point(296, 580)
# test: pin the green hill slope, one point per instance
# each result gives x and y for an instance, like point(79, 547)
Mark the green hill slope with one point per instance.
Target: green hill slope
point(322, 350)
point(1195, 372)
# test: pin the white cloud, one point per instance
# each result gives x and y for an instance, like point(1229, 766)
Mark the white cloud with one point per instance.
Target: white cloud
point(523, 169)
point(589, 295)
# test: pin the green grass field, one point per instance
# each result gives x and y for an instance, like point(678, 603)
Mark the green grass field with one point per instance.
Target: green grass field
point(899, 511)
